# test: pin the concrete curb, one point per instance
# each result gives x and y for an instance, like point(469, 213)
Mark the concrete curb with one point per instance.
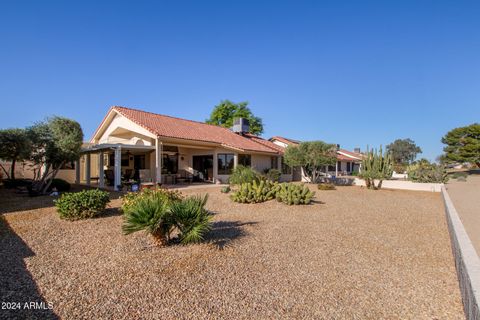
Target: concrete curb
point(466, 260)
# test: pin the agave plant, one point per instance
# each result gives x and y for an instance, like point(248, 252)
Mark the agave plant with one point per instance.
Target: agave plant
point(191, 218)
point(151, 215)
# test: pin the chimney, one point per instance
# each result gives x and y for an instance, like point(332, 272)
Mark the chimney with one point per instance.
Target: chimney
point(357, 150)
point(241, 125)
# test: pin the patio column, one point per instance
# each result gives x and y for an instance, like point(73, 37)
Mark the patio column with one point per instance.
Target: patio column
point(101, 175)
point(158, 160)
point(215, 166)
point(336, 169)
point(87, 169)
point(279, 163)
point(118, 168)
point(77, 172)
point(235, 160)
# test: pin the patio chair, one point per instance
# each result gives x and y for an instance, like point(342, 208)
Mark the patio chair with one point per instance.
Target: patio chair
point(110, 177)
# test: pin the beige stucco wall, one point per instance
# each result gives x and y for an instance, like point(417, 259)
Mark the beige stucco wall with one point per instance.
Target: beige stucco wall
point(123, 130)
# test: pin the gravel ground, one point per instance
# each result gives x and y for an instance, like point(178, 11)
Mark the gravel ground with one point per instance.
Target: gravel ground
point(354, 254)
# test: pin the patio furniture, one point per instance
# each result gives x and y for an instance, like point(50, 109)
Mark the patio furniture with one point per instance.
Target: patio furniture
point(109, 175)
point(145, 175)
point(184, 176)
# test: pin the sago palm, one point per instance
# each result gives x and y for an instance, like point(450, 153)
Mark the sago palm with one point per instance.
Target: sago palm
point(191, 218)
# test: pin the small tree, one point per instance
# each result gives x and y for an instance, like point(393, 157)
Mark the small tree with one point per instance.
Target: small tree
point(463, 144)
point(404, 152)
point(376, 166)
point(227, 111)
point(55, 142)
point(312, 157)
point(14, 146)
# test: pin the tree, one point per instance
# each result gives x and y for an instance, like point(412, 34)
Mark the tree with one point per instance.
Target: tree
point(312, 157)
point(54, 142)
point(14, 146)
point(404, 151)
point(376, 166)
point(463, 144)
point(224, 113)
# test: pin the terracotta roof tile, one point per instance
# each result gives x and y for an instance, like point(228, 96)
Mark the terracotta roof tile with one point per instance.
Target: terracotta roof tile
point(166, 126)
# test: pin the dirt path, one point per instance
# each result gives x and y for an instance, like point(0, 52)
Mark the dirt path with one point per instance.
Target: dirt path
point(466, 198)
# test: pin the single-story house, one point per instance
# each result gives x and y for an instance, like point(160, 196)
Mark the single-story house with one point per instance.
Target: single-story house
point(348, 162)
point(134, 144)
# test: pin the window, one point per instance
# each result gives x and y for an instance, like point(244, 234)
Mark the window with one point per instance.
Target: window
point(348, 166)
point(286, 169)
point(245, 160)
point(225, 163)
point(169, 163)
point(274, 162)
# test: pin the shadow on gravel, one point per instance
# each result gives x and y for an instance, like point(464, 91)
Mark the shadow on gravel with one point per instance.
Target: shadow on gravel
point(224, 232)
point(19, 293)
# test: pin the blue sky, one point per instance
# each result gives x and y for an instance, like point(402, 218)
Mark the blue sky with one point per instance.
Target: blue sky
point(347, 72)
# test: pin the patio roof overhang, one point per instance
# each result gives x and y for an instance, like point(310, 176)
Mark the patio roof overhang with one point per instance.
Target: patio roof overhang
point(113, 146)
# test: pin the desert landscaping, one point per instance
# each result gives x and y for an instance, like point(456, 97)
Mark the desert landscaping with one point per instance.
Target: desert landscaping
point(352, 253)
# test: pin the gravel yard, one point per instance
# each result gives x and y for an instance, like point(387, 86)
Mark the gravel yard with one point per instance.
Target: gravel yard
point(353, 254)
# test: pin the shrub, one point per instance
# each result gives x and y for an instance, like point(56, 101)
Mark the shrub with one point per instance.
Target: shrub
point(152, 215)
point(255, 192)
point(191, 218)
point(82, 205)
point(272, 175)
point(242, 174)
point(459, 176)
point(60, 184)
point(225, 189)
point(424, 171)
point(290, 193)
point(326, 186)
point(130, 200)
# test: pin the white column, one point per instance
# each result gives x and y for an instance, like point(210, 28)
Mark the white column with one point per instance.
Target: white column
point(336, 169)
point(158, 160)
point(77, 172)
point(235, 160)
point(101, 174)
point(215, 166)
point(87, 169)
point(279, 163)
point(118, 169)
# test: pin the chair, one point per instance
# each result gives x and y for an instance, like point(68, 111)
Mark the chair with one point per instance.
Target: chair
point(110, 177)
point(145, 175)
point(128, 174)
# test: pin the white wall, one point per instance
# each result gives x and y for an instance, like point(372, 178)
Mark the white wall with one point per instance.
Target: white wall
point(136, 134)
point(405, 185)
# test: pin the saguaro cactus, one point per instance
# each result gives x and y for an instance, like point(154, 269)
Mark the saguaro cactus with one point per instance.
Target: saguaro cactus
point(376, 165)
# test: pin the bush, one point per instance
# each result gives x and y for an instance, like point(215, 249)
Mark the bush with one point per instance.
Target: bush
point(424, 171)
point(459, 176)
point(82, 205)
point(242, 174)
point(60, 184)
point(272, 175)
point(255, 192)
point(225, 189)
point(160, 216)
point(290, 193)
point(191, 218)
point(152, 215)
point(130, 200)
point(326, 186)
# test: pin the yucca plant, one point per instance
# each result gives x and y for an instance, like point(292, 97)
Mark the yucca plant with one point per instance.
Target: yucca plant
point(152, 215)
point(191, 218)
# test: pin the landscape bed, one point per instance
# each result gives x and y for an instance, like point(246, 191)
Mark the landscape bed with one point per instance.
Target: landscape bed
point(352, 253)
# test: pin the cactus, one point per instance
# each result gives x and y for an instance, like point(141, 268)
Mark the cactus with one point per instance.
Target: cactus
point(255, 192)
point(376, 166)
point(294, 194)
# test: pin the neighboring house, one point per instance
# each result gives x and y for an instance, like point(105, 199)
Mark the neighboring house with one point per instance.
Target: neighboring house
point(156, 148)
point(347, 161)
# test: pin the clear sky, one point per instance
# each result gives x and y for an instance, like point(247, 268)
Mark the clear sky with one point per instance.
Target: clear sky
point(347, 72)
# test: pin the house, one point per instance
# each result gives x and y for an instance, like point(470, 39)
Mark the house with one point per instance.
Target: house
point(156, 148)
point(347, 161)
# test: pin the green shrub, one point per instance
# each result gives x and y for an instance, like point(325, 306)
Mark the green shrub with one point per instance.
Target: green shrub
point(191, 218)
point(82, 205)
point(60, 184)
point(326, 186)
point(459, 176)
point(272, 175)
point(424, 171)
point(242, 174)
point(254, 192)
point(290, 193)
point(225, 189)
point(152, 215)
point(160, 216)
point(130, 200)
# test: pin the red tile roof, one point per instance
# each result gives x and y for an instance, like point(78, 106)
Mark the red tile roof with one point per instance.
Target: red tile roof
point(356, 155)
point(166, 126)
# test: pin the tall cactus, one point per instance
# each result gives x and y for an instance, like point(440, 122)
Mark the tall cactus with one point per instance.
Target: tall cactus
point(376, 166)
